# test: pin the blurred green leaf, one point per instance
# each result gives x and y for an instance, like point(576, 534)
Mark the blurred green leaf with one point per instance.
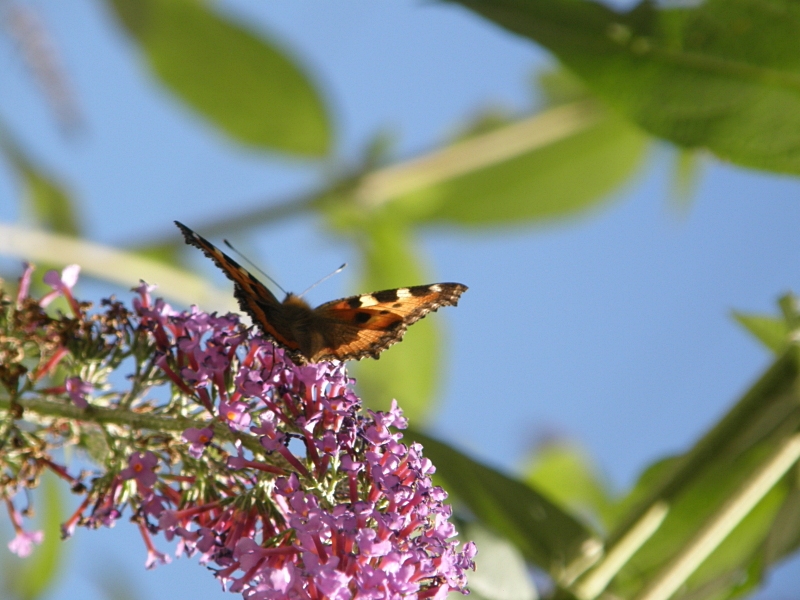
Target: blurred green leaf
point(644, 492)
point(774, 332)
point(546, 535)
point(729, 562)
point(771, 331)
point(554, 164)
point(566, 475)
point(407, 371)
point(239, 81)
point(35, 574)
point(784, 536)
point(790, 309)
point(689, 512)
point(486, 120)
point(500, 570)
point(699, 486)
point(766, 406)
point(559, 179)
point(45, 198)
point(706, 75)
point(560, 86)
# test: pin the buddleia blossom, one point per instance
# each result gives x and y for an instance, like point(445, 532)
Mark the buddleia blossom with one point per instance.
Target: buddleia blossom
point(269, 472)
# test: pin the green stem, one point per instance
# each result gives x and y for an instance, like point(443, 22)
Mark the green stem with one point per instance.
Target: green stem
point(118, 416)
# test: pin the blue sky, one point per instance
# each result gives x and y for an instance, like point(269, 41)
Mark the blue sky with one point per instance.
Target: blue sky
point(612, 329)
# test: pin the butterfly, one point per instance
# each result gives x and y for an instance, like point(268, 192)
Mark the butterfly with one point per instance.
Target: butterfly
point(346, 329)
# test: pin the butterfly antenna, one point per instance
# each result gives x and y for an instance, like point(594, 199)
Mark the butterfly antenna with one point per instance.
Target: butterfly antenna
point(255, 266)
point(328, 276)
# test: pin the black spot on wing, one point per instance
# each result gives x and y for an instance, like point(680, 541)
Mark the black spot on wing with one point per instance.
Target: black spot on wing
point(385, 296)
point(362, 317)
point(354, 302)
point(420, 290)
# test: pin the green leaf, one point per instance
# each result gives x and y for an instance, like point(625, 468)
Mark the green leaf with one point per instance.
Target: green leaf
point(691, 510)
point(784, 537)
point(546, 535)
point(766, 406)
point(699, 488)
point(35, 574)
point(722, 74)
point(559, 86)
point(407, 371)
point(559, 179)
point(790, 309)
point(45, 197)
point(645, 491)
point(553, 164)
point(564, 474)
point(771, 331)
point(734, 554)
point(242, 83)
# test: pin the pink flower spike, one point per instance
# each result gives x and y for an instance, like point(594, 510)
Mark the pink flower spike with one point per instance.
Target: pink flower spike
point(351, 513)
point(78, 390)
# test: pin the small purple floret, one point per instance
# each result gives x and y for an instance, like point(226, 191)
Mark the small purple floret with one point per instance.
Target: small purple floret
point(141, 468)
point(78, 391)
point(199, 439)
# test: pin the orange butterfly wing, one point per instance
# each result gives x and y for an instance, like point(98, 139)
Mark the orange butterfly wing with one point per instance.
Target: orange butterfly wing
point(366, 325)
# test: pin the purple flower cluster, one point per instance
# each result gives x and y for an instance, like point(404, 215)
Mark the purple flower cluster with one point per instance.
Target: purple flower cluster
point(282, 485)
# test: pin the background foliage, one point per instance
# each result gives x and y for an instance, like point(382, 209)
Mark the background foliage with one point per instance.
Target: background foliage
point(716, 81)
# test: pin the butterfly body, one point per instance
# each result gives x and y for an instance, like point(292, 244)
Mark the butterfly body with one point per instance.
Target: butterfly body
point(347, 329)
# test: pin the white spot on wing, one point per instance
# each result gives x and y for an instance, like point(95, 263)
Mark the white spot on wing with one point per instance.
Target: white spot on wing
point(403, 293)
point(436, 288)
point(367, 300)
